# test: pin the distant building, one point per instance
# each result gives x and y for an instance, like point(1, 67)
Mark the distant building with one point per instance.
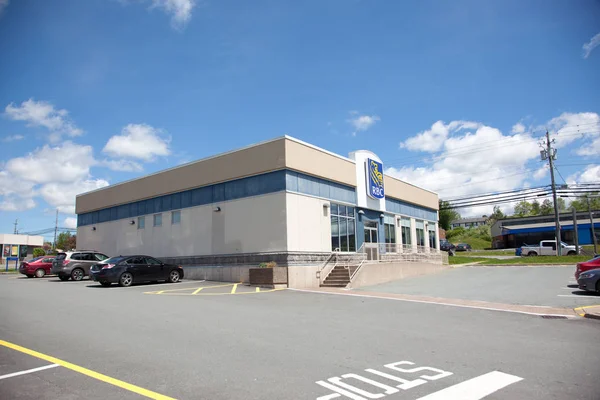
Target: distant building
point(18, 245)
point(516, 232)
point(468, 222)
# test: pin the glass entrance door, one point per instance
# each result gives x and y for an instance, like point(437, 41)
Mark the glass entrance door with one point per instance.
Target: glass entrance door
point(371, 240)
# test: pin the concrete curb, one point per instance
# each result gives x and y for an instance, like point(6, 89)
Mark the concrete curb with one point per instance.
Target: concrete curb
point(582, 312)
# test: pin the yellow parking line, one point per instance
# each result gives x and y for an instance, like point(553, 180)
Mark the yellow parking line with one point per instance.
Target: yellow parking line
point(234, 288)
point(197, 290)
point(581, 308)
point(124, 385)
point(187, 288)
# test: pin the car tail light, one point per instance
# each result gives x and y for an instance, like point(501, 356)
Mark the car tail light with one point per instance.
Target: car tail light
point(108, 266)
point(65, 262)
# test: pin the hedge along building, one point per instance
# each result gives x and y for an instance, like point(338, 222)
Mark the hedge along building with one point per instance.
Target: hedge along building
point(283, 200)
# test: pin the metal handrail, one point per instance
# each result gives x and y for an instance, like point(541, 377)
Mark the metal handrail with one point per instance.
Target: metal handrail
point(320, 270)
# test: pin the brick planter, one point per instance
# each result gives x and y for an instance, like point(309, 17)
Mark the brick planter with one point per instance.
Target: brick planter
point(272, 277)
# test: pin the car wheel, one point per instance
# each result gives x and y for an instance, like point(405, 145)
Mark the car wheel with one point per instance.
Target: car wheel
point(571, 253)
point(126, 279)
point(63, 277)
point(29, 276)
point(105, 284)
point(77, 274)
point(174, 276)
point(40, 272)
point(532, 254)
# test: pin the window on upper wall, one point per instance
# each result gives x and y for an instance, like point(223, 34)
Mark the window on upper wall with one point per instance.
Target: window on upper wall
point(175, 217)
point(157, 219)
point(343, 228)
point(141, 222)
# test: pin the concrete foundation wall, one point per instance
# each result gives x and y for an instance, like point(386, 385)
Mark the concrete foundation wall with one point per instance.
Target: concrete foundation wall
point(376, 273)
point(218, 274)
point(303, 277)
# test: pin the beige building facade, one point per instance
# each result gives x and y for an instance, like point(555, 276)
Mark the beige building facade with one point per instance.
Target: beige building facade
point(283, 200)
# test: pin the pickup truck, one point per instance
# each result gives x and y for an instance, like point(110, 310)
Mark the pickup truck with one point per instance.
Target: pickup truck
point(548, 248)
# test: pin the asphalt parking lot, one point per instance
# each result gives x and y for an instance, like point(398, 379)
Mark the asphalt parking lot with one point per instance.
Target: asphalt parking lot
point(176, 341)
point(548, 286)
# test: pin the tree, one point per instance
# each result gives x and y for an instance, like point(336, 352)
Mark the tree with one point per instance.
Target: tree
point(39, 252)
point(47, 246)
point(581, 203)
point(447, 215)
point(562, 206)
point(496, 215)
point(66, 241)
point(547, 208)
point(535, 208)
point(523, 209)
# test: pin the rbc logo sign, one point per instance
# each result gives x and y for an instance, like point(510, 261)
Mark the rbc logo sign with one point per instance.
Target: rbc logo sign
point(375, 179)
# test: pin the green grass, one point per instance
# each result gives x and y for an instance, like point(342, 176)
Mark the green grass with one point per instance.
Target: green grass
point(510, 252)
point(476, 243)
point(519, 261)
point(464, 260)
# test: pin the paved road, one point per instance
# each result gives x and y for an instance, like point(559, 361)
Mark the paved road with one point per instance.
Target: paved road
point(539, 286)
point(279, 344)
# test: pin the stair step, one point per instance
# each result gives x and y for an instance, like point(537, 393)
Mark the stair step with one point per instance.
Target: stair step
point(333, 285)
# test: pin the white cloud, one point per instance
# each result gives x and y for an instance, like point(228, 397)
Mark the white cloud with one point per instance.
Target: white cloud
point(62, 195)
point(66, 163)
point(541, 173)
point(591, 149)
point(362, 123)
point(569, 127)
point(591, 45)
point(41, 113)
point(139, 141)
point(70, 222)
point(179, 10)
point(16, 204)
point(591, 174)
point(518, 128)
point(3, 5)
point(12, 138)
point(122, 165)
point(432, 140)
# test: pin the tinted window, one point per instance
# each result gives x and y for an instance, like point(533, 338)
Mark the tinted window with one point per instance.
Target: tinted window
point(61, 256)
point(77, 256)
point(100, 257)
point(135, 260)
point(88, 257)
point(152, 261)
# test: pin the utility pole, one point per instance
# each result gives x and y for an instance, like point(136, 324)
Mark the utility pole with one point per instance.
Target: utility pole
point(550, 154)
point(592, 224)
point(575, 232)
point(55, 229)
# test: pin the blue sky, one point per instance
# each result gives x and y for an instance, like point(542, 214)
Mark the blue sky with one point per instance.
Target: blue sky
point(451, 95)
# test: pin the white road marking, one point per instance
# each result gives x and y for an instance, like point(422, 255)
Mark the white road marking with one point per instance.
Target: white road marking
point(588, 297)
point(476, 388)
point(29, 371)
point(158, 284)
point(432, 302)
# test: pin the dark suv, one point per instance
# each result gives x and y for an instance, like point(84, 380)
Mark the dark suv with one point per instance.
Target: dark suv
point(445, 245)
point(75, 264)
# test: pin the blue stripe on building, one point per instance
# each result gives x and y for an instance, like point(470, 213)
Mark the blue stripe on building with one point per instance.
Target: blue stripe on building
point(246, 187)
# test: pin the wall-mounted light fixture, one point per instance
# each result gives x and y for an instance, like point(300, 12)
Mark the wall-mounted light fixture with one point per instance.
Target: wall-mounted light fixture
point(217, 209)
point(381, 216)
point(132, 222)
point(93, 228)
point(361, 212)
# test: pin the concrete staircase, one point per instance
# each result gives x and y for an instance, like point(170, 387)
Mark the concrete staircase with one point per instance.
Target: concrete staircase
point(339, 276)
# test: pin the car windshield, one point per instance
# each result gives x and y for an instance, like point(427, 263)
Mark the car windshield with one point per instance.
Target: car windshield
point(35, 259)
point(112, 260)
point(61, 256)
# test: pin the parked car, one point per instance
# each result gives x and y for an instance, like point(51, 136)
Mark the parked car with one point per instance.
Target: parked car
point(463, 247)
point(548, 248)
point(445, 245)
point(38, 267)
point(590, 280)
point(126, 270)
point(75, 264)
point(586, 266)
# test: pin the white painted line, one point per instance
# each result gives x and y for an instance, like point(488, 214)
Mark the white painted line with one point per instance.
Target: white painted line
point(476, 388)
point(158, 284)
point(432, 302)
point(29, 371)
point(588, 297)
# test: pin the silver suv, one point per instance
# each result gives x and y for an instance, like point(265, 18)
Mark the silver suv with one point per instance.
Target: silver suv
point(75, 264)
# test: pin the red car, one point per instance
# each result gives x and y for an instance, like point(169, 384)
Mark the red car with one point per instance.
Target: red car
point(37, 267)
point(587, 265)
